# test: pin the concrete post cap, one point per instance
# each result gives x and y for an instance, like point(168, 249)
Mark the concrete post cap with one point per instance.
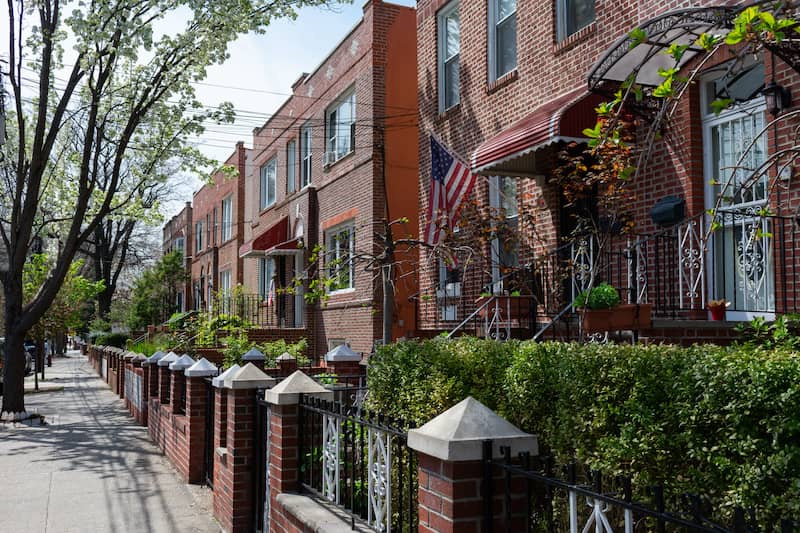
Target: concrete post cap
point(128, 356)
point(288, 391)
point(153, 359)
point(285, 356)
point(254, 354)
point(201, 369)
point(342, 353)
point(171, 357)
point(249, 377)
point(139, 358)
point(458, 434)
point(219, 381)
point(182, 363)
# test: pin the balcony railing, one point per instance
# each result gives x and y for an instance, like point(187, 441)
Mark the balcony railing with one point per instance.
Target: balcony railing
point(275, 312)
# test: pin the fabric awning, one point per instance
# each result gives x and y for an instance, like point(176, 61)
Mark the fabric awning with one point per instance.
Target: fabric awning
point(290, 247)
point(512, 151)
point(681, 27)
point(274, 235)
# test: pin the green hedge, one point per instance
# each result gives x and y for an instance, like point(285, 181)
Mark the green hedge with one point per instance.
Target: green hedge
point(118, 340)
point(724, 422)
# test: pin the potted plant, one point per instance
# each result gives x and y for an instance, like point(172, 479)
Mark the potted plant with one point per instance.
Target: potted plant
point(602, 310)
point(717, 308)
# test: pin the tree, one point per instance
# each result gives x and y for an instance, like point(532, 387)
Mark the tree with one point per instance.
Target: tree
point(153, 295)
point(125, 90)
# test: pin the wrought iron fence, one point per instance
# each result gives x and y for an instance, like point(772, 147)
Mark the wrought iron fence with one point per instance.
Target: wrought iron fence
point(348, 389)
point(253, 308)
point(359, 460)
point(532, 497)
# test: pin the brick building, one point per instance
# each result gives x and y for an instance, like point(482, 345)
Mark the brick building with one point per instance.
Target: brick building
point(334, 160)
point(218, 230)
point(177, 236)
point(505, 89)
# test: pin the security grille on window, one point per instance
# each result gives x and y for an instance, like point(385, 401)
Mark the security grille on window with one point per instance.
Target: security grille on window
point(340, 244)
point(291, 162)
point(340, 124)
point(268, 187)
point(305, 156)
point(227, 218)
point(502, 37)
point(198, 236)
point(448, 65)
point(573, 15)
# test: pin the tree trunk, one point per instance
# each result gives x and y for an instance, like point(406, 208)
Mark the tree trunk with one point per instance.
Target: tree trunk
point(388, 303)
point(14, 359)
point(104, 301)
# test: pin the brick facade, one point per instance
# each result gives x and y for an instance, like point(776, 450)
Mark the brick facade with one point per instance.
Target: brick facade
point(178, 235)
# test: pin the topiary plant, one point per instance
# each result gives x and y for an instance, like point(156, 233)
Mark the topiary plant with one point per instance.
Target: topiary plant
point(604, 296)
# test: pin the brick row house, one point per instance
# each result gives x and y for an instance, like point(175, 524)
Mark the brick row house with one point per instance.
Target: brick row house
point(218, 230)
point(334, 162)
point(177, 236)
point(504, 87)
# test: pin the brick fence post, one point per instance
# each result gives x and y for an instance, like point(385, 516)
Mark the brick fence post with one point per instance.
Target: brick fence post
point(286, 364)
point(164, 377)
point(284, 410)
point(233, 472)
point(343, 361)
point(127, 364)
point(255, 356)
point(178, 382)
point(450, 453)
point(196, 413)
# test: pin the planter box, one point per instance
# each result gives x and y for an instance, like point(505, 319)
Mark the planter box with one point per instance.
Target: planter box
point(622, 317)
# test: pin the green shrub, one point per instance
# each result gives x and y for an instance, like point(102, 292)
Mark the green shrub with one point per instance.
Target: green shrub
point(118, 340)
point(604, 296)
point(724, 422)
point(236, 345)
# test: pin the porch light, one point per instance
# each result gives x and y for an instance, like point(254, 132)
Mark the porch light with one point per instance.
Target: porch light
point(776, 97)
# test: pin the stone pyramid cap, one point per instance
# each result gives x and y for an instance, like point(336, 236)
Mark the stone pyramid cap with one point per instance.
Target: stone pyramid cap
point(139, 358)
point(249, 377)
point(342, 353)
point(254, 354)
point(171, 357)
point(285, 356)
point(288, 391)
point(182, 363)
point(129, 355)
point(201, 369)
point(219, 381)
point(458, 434)
point(155, 358)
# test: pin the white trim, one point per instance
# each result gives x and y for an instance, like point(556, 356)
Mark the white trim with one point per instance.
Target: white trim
point(492, 49)
point(441, 51)
point(490, 167)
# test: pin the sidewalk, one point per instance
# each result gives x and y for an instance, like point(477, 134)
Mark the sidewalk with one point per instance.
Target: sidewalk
point(91, 468)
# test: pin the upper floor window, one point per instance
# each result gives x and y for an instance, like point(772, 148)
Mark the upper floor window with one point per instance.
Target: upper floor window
point(208, 229)
point(502, 37)
point(341, 125)
point(305, 156)
point(340, 244)
point(449, 46)
point(213, 227)
point(225, 282)
point(268, 175)
point(198, 236)
point(227, 218)
point(573, 15)
point(291, 163)
point(179, 245)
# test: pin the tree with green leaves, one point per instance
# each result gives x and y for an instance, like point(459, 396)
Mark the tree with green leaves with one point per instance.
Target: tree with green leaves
point(153, 295)
point(90, 85)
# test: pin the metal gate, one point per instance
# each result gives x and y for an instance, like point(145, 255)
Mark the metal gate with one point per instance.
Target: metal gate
point(208, 456)
point(261, 470)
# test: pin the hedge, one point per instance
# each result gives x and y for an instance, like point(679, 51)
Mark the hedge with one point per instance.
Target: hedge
point(117, 340)
point(723, 422)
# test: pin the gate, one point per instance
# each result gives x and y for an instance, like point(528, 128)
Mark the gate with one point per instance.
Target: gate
point(208, 456)
point(261, 470)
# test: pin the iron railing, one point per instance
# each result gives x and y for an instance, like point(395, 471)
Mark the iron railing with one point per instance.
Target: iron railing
point(359, 460)
point(583, 500)
point(276, 312)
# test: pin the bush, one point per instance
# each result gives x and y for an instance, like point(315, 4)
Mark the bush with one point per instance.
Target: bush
point(238, 344)
point(604, 296)
point(118, 340)
point(723, 422)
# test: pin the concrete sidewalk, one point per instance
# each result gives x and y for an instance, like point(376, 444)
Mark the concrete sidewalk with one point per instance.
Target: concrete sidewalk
point(91, 468)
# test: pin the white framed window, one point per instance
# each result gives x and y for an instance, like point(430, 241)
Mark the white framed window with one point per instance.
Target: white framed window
point(268, 186)
point(227, 218)
point(340, 249)
point(291, 163)
point(266, 277)
point(180, 245)
point(502, 37)
point(340, 120)
point(305, 155)
point(198, 236)
point(225, 282)
point(572, 16)
point(503, 196)
point(449, 46)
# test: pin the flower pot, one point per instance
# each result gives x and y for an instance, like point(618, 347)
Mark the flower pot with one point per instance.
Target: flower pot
point(622, 317)
point(717, 313)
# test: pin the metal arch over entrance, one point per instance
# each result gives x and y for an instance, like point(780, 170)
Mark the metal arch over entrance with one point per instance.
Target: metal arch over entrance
point(683, 27)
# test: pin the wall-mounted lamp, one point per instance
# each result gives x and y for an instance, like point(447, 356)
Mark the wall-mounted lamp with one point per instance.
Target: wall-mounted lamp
point(776, 97)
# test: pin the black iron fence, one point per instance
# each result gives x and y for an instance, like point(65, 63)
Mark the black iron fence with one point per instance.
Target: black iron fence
point(527, 493)
point(274, 312)
point(360, 461)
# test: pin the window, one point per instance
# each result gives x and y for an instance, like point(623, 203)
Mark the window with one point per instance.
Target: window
point(449, 46)
point(503, 196)
point(291, 163)
point(225, 282)
point(268, 174)
point(341, 125)
point(180, 245)
point(266, 278)
point(573, 15)
point(208, 229)
point(340, 244)
point(214, 228)
point(305, 156)
point(198, 236)
point(227, 218)
point(502, 37)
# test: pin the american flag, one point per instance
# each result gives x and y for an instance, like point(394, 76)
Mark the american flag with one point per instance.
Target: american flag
point(451, 182)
